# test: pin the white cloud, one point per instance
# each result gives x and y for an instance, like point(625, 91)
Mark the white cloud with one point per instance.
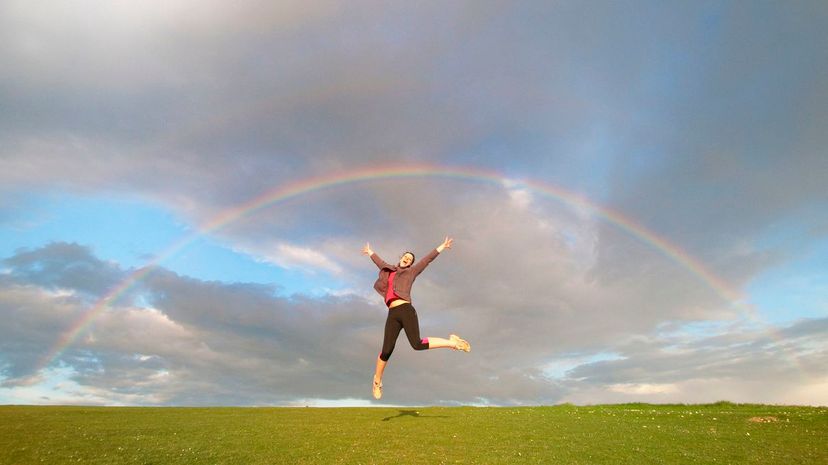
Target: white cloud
point(306, 258)
point(291, 256)
point(520, 196)
point(644, 389)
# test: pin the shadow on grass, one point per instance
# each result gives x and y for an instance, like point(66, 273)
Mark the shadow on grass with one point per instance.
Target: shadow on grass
point(412, 413)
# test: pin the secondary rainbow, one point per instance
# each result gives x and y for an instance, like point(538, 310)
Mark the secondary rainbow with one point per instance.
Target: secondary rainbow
point(327, 182)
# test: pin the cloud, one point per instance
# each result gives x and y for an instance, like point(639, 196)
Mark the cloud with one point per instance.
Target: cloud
point(731, 365)
point(196, 331)
point(643, 389)
point(214, 106)
point(35, 318)
point(704, 124)
point(199, 342)
point(291, 256)
point(61, 265)
point(207, 109)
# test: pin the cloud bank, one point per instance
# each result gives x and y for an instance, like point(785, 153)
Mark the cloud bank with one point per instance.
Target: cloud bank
point(703, 123)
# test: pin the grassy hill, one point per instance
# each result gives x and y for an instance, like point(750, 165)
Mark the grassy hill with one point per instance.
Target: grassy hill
point(721, 433)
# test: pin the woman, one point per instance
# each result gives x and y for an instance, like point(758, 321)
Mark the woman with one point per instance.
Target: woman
point(394, 284)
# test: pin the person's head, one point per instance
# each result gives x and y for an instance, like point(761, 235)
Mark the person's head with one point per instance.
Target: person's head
point(406, 260)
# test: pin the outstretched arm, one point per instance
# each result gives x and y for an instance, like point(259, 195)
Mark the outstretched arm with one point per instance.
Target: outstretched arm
point(374, 257)
point(420, 265)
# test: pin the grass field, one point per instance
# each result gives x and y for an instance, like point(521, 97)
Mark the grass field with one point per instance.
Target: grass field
point(721, 433)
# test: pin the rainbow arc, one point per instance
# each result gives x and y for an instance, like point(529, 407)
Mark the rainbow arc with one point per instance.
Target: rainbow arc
point(308, 185)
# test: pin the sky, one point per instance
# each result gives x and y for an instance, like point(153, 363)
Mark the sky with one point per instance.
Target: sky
point(636, 192)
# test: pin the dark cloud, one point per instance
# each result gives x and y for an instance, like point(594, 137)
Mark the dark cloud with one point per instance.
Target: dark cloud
point(703, 123)
point(688, 118)
point(207, 109)
point(197, 342)
point(61, 265)
point(33, 318)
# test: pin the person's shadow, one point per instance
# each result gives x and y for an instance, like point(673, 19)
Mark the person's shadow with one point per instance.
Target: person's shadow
point(412, 413)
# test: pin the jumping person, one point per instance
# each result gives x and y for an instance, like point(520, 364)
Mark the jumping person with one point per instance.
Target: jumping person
point(394, 285)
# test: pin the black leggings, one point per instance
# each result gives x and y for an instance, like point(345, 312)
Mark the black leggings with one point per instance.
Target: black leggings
point(399, 317)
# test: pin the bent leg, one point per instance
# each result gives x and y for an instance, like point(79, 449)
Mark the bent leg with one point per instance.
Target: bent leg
point(412, 329)
point(409, 321)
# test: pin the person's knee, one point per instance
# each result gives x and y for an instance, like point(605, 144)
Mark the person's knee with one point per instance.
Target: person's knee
point(422, 344)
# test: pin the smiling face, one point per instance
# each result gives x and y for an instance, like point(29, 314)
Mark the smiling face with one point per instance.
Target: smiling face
point(406, 260)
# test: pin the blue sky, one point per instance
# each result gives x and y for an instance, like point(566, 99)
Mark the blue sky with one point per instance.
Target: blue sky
point(125, 128)
point(132, 233)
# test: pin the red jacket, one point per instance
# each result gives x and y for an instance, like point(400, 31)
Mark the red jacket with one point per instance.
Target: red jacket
point(404, 278)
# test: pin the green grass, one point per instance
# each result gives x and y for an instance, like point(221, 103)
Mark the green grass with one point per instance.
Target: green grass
point(721, 433)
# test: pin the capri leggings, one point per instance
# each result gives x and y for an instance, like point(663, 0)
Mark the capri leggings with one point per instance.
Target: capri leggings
point(401, 317)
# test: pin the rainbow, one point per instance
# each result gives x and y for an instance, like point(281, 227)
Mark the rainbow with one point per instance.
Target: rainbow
point(326, 182)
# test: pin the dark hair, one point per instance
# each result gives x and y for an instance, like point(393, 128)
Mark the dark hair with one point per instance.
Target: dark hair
point(412, 256)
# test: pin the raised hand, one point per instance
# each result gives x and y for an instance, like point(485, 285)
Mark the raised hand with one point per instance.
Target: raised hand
point(446, 244)
point(367, 250)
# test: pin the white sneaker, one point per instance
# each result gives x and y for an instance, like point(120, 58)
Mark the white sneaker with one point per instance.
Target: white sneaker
point(459, 343)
